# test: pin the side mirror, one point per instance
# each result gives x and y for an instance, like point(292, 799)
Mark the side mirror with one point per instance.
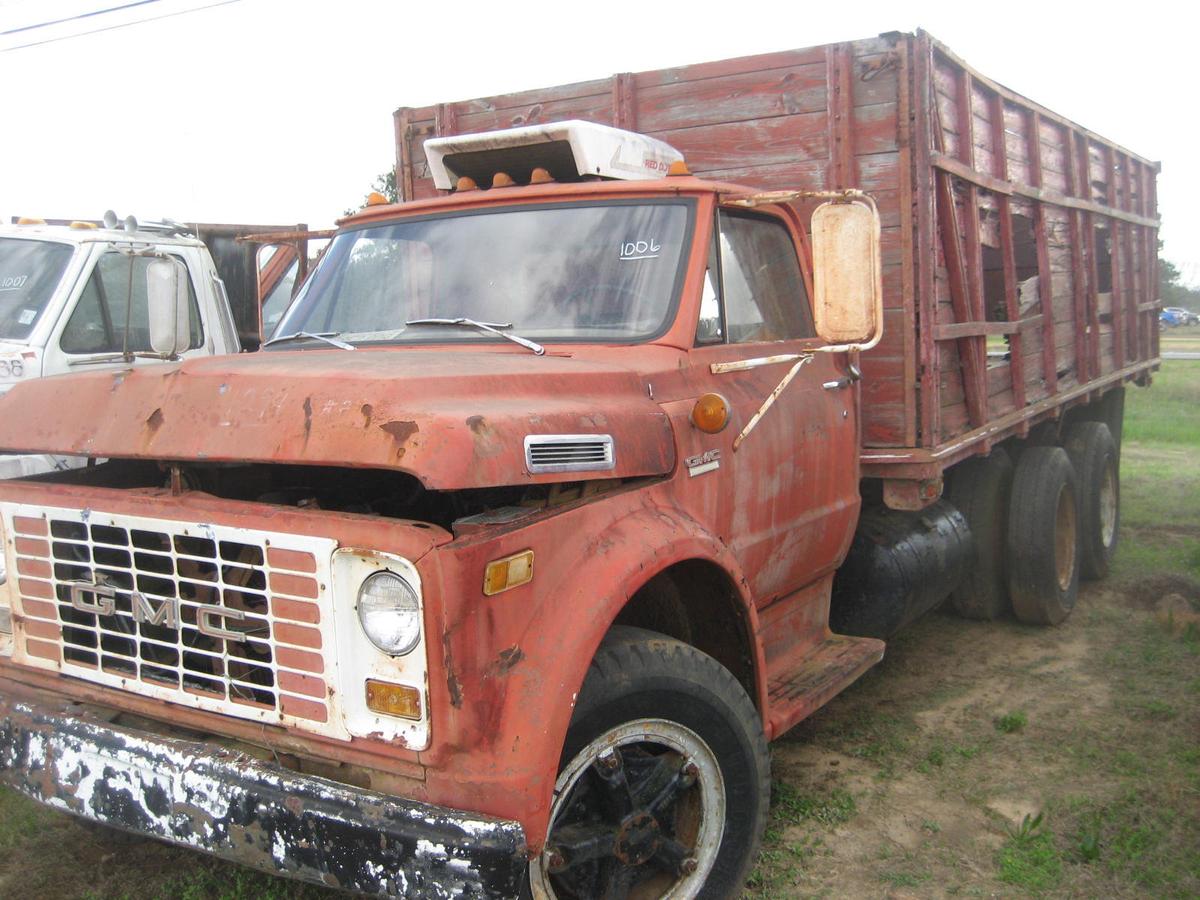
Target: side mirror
point(847, 274)
point(167, 303)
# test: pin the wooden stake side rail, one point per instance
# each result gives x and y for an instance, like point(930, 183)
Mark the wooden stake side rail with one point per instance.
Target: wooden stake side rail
point(1001, 218)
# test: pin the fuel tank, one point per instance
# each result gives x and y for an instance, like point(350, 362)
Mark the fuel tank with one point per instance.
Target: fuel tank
point(900, 566)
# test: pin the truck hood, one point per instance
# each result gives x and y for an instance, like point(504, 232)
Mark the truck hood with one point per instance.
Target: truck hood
point(453, 419)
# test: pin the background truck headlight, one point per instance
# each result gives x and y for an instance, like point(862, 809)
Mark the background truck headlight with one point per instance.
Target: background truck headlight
point(390, 613)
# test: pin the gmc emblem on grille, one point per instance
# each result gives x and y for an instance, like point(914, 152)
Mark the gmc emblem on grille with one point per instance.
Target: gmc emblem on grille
point(100, 599)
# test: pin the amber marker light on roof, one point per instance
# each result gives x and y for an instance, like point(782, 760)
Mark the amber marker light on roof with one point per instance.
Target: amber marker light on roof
point(502, 179)
point(30, 220)
point(466, 183)
point(679, 167)
point(83, 225)
point(540, 176)
point(376, 199)
point(711, 413)
point(398, 700)
point(509, 572)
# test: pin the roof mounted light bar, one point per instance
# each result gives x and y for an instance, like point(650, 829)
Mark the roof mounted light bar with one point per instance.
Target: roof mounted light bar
point(568, 150)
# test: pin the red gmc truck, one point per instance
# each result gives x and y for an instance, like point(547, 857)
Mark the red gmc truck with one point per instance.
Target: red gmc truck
point(615, 450)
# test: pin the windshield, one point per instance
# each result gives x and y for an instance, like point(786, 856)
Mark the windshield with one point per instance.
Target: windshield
point(578, 272)
point(29, 273)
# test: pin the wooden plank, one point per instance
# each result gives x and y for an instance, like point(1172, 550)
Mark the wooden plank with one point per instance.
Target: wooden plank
point(973, 248)
point(719, 69)
point(624, 91)
point(926, 253)
point(959, 330)
point(907, 273)
point(971, 361)
point(1129, 289)
point(1045, 285)
point(782, 140)
point(445, 119)
point(1008, 261)
point(839, 113)
point(1032, 192)
point(404, 179)
point(1080, 267)
point(1119, 320)
point(737, 98)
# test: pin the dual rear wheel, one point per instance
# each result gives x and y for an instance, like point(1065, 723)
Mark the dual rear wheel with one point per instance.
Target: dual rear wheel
point(1039, 525)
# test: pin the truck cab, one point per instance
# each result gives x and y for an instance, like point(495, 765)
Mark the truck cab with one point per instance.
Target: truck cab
point(67, 293)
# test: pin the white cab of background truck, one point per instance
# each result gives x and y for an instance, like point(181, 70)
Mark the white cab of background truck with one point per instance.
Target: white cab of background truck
point(73, 298)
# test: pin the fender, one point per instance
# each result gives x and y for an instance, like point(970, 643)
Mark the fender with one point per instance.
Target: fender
point(509, 653)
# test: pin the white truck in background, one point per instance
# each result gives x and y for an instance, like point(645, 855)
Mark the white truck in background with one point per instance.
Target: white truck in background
point(73, 297)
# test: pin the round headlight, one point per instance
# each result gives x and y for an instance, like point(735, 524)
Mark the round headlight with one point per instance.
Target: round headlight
point(390, 613)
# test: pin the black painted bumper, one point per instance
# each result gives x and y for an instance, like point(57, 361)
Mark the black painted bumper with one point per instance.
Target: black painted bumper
point(254, 813)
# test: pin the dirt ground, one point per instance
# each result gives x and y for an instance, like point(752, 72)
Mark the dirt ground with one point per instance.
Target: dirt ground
point(916, 781)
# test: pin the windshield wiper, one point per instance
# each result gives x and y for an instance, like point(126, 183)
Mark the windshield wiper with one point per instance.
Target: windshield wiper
point(329, 337)
point(489, 327)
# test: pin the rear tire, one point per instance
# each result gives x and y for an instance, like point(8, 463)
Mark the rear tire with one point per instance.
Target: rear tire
point(1043, 537)
point(656, 718)
point(1093, 453)
point(979, 489)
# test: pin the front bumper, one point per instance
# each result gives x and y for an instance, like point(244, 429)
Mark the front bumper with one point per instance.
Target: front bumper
point(237, 807)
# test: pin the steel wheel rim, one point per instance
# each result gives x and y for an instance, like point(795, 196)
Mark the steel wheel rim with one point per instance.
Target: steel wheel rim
point(1108, 505)
point(1065, 540)
point(697, 815)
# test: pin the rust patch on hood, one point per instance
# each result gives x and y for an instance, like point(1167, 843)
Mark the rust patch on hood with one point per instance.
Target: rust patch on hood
point(154, 421)
point(400, 432)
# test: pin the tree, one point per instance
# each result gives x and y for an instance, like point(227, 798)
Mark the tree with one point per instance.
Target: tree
point(1171, 290)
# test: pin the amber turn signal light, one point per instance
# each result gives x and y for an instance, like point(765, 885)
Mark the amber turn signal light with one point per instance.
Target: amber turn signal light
point(711, 413)
point(509, 572)
point(398, 700)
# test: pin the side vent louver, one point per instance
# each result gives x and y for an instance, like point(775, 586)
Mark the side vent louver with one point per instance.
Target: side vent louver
point(569, 453)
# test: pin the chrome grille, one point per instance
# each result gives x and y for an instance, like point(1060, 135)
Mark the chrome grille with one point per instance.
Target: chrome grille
point(201, 573)
point(220, 618)
point(569, 452)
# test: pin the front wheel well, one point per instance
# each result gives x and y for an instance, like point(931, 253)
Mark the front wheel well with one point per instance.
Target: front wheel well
point(696, 602)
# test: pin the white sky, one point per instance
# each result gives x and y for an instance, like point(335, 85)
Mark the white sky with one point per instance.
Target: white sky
point(277, 112)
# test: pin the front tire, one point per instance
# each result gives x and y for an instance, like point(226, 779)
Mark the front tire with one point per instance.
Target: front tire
point(664, 779)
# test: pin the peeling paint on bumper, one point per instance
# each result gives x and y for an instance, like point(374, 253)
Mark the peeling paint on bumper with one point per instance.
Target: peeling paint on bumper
point(242, 809)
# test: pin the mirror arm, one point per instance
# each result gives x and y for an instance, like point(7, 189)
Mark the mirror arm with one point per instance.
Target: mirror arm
point(761, 198)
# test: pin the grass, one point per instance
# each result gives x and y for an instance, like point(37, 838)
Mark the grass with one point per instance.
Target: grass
point(1170, 412)
point(1012, 722)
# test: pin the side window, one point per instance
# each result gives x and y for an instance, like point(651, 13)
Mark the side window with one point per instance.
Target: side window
point(98, 323)
point(761, 287)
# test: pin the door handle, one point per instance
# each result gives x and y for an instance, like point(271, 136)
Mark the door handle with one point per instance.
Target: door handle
point(853, 374)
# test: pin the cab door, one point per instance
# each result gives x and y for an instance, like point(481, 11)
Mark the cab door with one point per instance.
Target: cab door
point(788, 496)
point(92, 326)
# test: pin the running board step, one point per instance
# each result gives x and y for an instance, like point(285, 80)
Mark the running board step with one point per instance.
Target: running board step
point(825, 670)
